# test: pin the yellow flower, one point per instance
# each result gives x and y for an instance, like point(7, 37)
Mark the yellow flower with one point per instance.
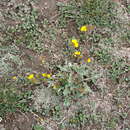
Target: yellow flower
point(14, 77)
point(31, 76)
point(88, 60)
point(77, 53)
point(46, 75)
point(87, 28)
point(75, 43)
point(84, 28)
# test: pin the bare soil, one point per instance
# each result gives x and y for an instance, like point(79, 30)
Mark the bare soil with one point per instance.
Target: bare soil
point(52, 55)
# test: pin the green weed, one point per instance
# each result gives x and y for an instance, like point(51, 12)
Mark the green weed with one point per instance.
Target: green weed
point(38, 127)
point(73, 82)
point(99, 12)
point(11, 100)
point(117, 69)
point(26, 33)
point(52, 111)
point(78, 120)
point(9, 59)
point(103, 56)
point(126, 37)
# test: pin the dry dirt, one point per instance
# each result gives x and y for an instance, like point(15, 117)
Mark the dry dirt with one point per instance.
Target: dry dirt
point(48, 9)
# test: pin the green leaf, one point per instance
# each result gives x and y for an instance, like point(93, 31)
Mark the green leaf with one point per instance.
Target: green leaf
point(66, 102)
point(38, 127)
point(66, 92)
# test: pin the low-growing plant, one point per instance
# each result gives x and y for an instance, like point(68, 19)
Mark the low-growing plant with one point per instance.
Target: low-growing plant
point(27, 32)
point(103, 56)
point(118, 68)
point(11, 100)
point(73, 81)
point(78, 120)
point(95, 12)
point(38, 127)
point(9, 59)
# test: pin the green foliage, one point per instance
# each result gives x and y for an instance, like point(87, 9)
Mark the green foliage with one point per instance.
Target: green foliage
point(38, 127)
point(128, 9)
point(126, 36)
point(73, 81)
point(27, 32)
point(11, 100)
point(103, 56)
point(52, 111)
point(95, 12)
point(78, 120)
point(9, 58)
point(118, 68)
